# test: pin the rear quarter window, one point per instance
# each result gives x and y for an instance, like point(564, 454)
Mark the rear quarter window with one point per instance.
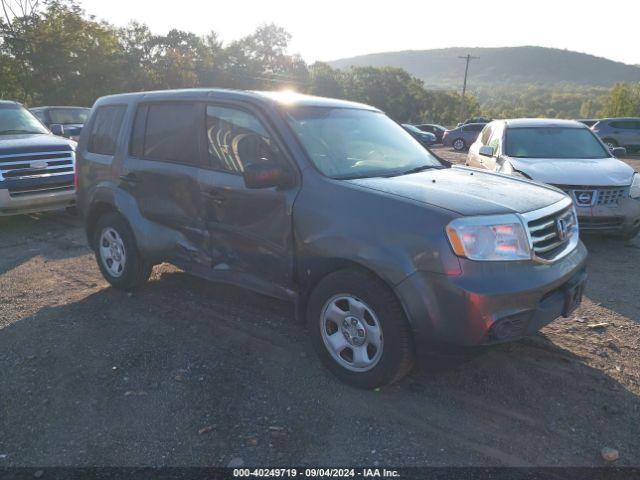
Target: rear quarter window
point(105, 129)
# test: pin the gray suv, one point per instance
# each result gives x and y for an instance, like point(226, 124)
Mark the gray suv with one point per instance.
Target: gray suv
point(619, 132)
point(332, 205)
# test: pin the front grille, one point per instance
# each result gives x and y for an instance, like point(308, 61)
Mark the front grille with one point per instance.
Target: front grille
point(589, 196)
point(551, 232)
point(610, 196)
point(36, 165)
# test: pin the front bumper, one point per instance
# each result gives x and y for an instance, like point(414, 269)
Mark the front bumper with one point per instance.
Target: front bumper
point(38, 202)
point(472, 308)
point(618, 219)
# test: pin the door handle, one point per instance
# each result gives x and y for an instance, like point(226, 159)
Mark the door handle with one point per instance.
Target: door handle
point(130, 178)
point(215, 197)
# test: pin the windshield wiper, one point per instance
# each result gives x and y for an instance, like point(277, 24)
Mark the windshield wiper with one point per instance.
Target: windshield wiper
point(7, 132)
point(421, 168)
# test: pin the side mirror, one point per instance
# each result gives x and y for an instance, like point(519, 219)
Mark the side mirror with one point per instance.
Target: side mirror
point(486, 151)
point(264, 174)
point(619, 152)
point(57, 129)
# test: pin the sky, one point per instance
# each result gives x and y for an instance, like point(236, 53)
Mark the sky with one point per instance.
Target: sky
point(331, 29)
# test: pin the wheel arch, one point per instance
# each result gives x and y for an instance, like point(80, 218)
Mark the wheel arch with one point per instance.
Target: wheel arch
point(311, 272)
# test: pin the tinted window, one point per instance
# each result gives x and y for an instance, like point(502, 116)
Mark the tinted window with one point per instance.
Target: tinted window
point(473, 127)
point(236, 138)
point(173, 132)
point(137, 137)
point(553, 142)
point(105, 129)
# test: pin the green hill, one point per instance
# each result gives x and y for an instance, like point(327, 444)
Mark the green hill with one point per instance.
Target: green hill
point(545, 67)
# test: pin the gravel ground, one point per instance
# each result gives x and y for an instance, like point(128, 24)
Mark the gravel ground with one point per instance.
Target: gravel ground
point(190, 373)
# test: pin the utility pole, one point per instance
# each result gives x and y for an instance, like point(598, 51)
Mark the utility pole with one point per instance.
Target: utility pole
point(468, 59)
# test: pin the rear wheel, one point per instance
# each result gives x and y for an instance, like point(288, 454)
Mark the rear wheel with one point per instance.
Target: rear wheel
point(359, 329)
point(117, 254)
point(610, 143)
point(459, 145)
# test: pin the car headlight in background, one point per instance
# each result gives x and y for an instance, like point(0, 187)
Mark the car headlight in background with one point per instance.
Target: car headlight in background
point(493, 238)
point(635, 186)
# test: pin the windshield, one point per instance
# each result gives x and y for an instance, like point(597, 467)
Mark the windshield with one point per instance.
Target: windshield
point(553, 142)
point(17, 119)
point(350, 143)
point(67, 116)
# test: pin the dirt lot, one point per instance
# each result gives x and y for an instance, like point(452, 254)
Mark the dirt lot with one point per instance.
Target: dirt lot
point(187, 372)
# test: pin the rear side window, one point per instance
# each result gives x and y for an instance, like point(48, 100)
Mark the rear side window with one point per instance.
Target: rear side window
point(173, 132)
point(105, 129)
point(473, 128)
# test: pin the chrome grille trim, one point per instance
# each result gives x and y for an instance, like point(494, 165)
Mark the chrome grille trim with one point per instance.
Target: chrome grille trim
point(17, 166)
point(601, 195)
point(541, 228)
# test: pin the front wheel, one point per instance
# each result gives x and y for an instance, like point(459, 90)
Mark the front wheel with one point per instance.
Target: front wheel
point(117, 254)
point(359, 329)
point(459, 145)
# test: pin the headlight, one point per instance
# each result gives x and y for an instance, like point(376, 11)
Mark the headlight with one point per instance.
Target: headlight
point(635, 186)
point(492, 238)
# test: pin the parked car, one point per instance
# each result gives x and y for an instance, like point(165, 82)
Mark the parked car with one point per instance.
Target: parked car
point(63, 121)
point(461, 137)
point(619, 132)
point(475, 120)
point(589, 122)
point(437, 130)
point(334, 206)
point(36, 167)
point(425, 138)
point(566, 154)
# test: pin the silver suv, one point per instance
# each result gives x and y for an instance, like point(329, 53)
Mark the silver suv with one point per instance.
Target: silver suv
point(567, 155)
point(619, 132)
point(36, 167)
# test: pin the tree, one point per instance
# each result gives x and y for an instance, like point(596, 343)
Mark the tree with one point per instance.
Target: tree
point(623, 101)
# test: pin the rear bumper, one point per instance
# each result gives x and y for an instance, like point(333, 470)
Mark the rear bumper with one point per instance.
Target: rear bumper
point(39, 202)
point(490, 301)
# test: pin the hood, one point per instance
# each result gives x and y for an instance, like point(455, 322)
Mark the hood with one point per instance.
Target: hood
point(37, 142)
point(466, 191)
point(585, 172)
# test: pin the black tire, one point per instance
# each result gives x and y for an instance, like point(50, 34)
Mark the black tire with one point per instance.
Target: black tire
point(610, 143)
point(397, 357)
point(136, 270)
point(462, 146)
